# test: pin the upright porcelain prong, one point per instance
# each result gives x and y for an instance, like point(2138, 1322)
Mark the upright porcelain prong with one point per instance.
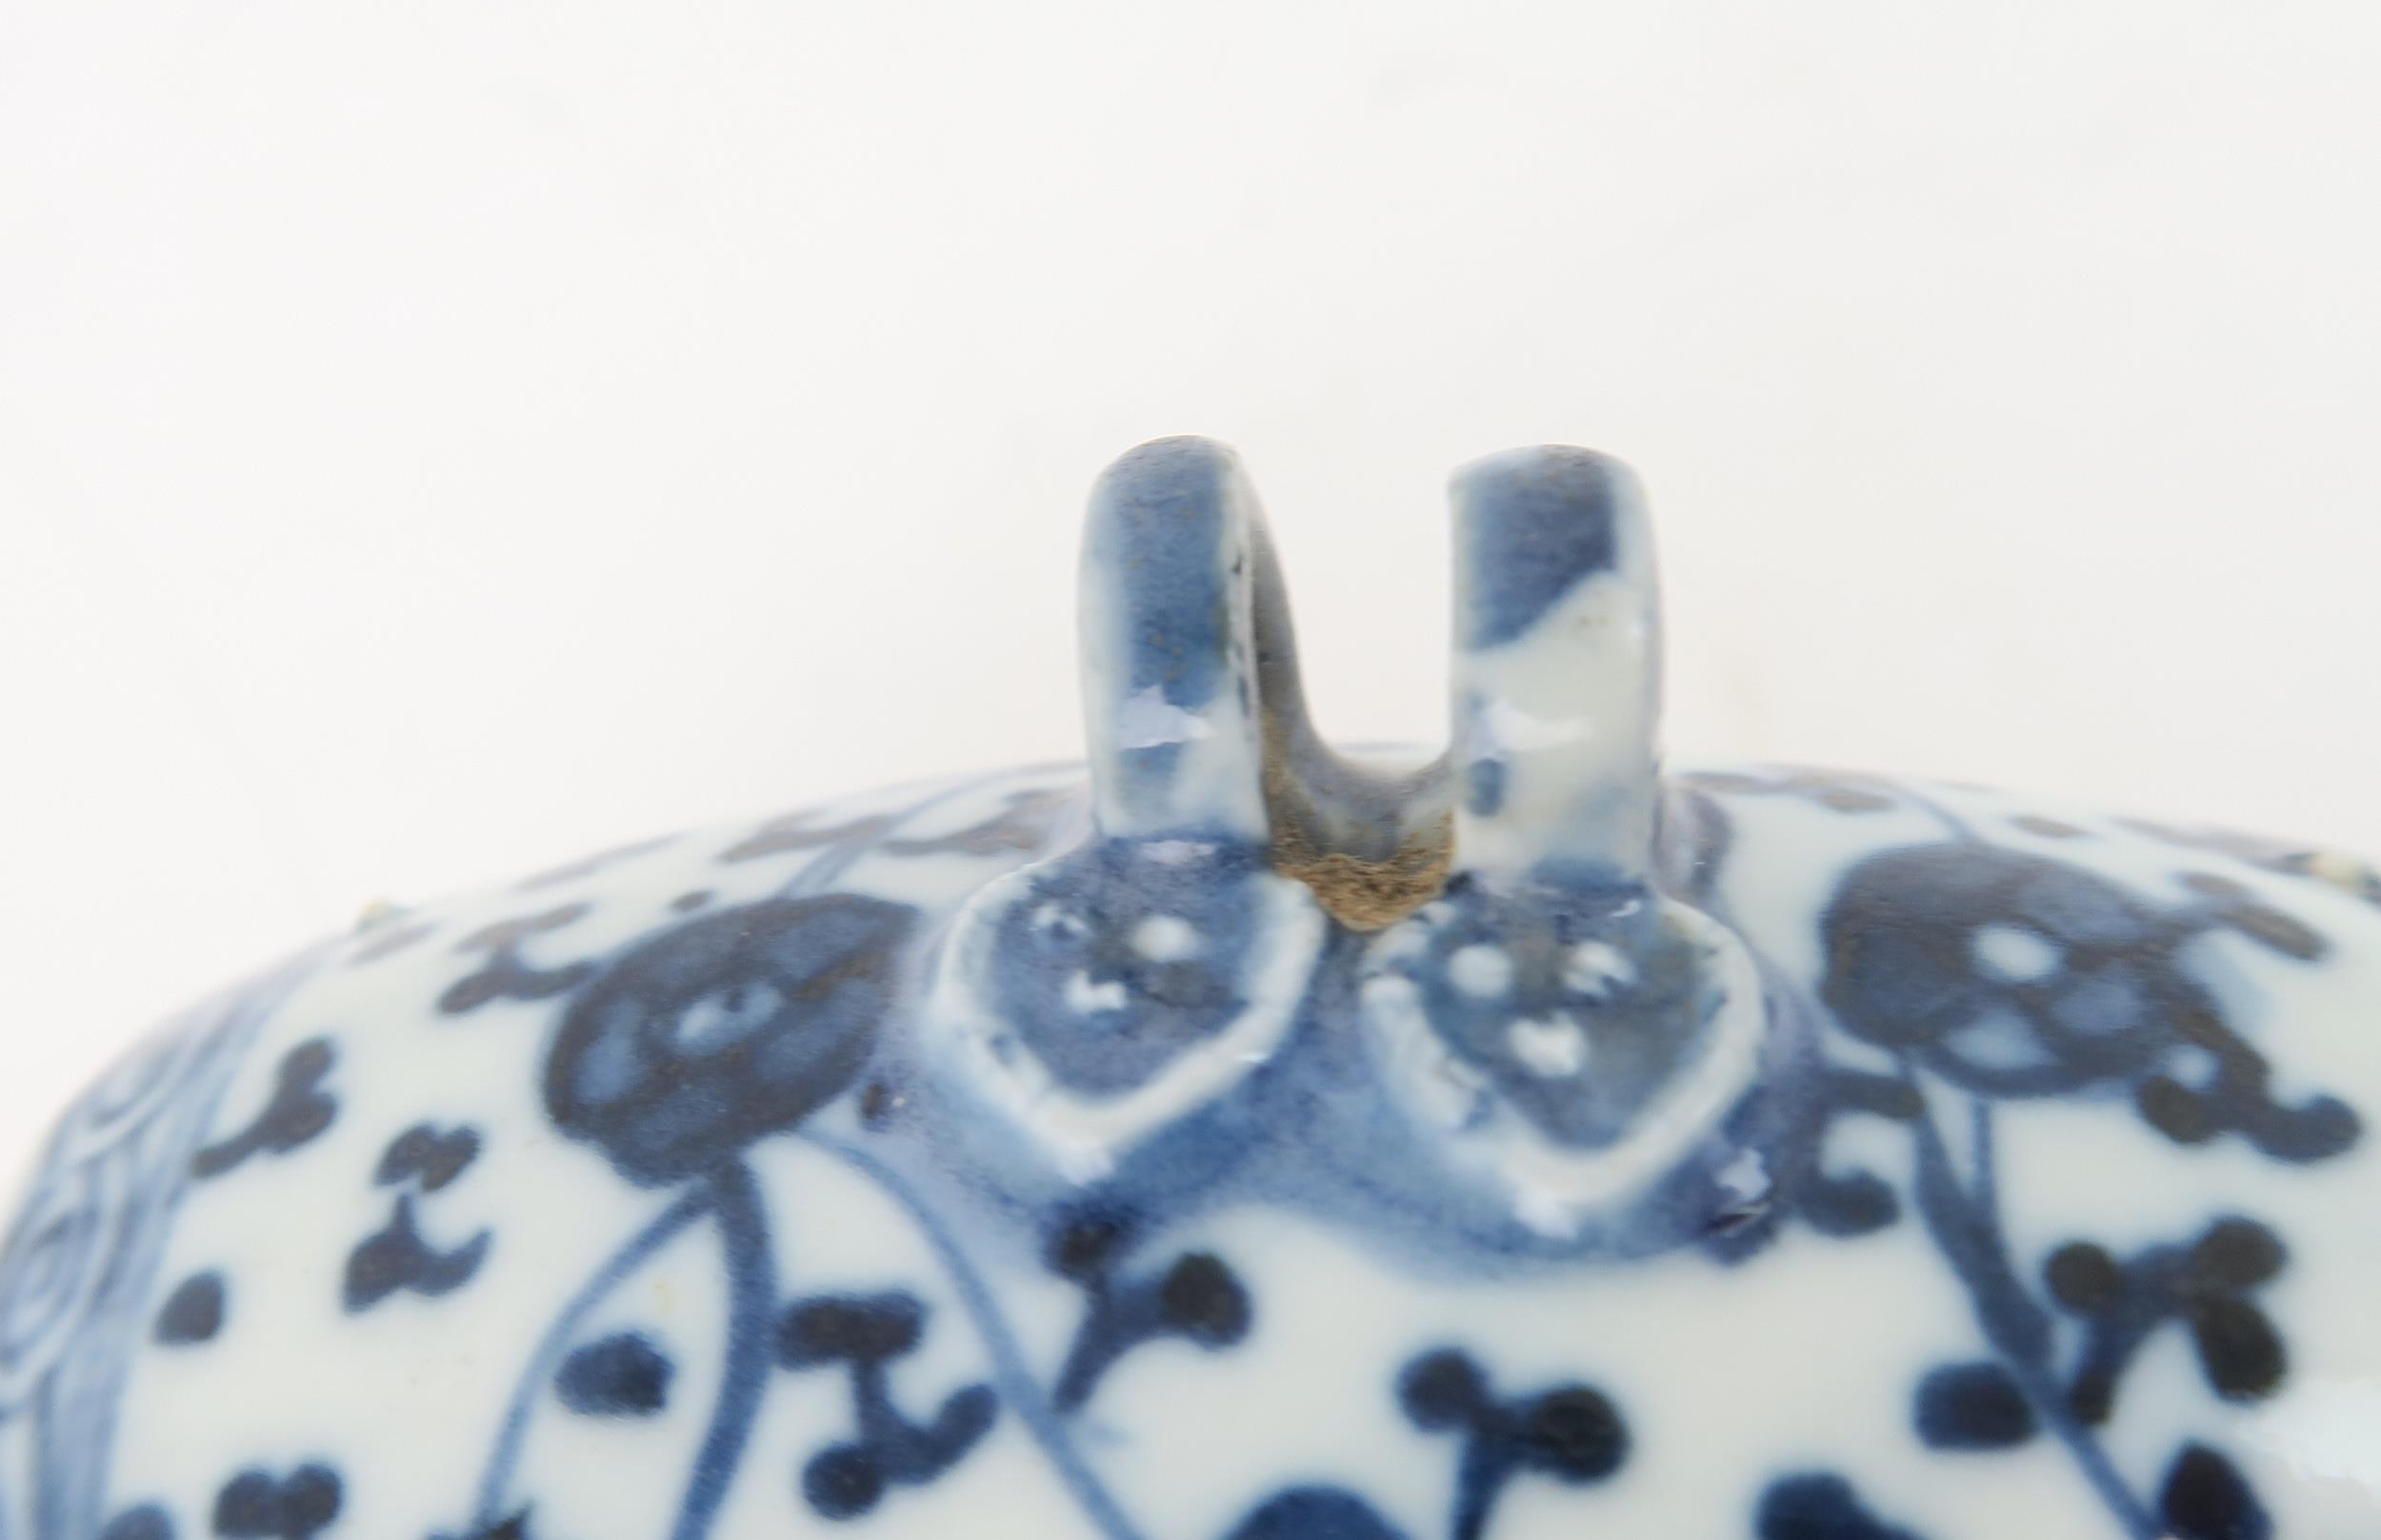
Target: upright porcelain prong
point(1557, 667)
point(1555, 1029)
point(1101, 998)
point(1171, 561)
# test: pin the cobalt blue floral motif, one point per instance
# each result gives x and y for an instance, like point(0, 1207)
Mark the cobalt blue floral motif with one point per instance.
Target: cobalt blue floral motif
point(2014, 976)
point(2004, 975)
point(1196, 1298)
point(1802, 1185)
point(1211, 1144)
point(1566, 996)
point(1571, 1435)
point(1123, 955)
point(863, 1336)
point(724, 1029)
point(676, 1056)
point(2208, 1287)
point(1960, 978)
point(397, 1259)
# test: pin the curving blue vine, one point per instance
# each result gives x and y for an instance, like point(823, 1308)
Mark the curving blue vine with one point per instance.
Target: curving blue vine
point(1985, 975)
point(1959, 978)
point(1993, 974)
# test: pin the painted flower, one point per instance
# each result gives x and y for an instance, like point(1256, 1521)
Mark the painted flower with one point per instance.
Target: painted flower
point(2015, 976)
point(1116, 964)
point(1103, 998)
point(722, 1030)
point(1570, 1044)
point(1565, 1006)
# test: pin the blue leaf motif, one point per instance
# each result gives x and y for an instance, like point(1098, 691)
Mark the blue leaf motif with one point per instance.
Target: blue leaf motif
point(2207, 1498)
point(1820, 1505)
point(1975, 1405)
point(623, 1375)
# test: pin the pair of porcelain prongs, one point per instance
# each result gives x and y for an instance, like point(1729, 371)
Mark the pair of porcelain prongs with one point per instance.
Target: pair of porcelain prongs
point(1563, 1032)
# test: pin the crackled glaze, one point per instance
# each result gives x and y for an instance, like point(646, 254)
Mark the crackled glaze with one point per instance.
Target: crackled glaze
point(1235, 1140)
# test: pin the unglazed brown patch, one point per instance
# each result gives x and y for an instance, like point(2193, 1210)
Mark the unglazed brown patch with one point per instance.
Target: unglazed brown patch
point(1371, 895)
point(1363, 893)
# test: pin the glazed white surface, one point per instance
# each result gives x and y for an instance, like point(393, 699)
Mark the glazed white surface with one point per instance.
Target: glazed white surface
point(1802, 1355)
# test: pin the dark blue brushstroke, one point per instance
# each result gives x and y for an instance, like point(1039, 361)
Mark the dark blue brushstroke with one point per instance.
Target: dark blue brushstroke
point(1011, 1376)
point(723, 1029)
point(863, 1335)
point(2205, 1497)
point(513, 1432)
point(397, 1259)
point(1483, 788)
point(2113, 1001)
point(623, 1375)
point(423, 1154)
point(1972, 1407)
point(735, 1205)
point(1571, 1433)
point(1197, 1298)
point(1819, 1505)
point(256, 1505)
point(192, 1313)
point(839, 846)
point(297, 1112)
point(1967, 1229)
point(147, 1522)
point(1538, 525)
point(508, 975)
point(1315, 1514)
point(2205, 1287)
point(1159, 526)
point(1099, 897)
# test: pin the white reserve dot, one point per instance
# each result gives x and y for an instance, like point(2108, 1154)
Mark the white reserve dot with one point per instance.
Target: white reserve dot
point(1165, 938)
point(1087, 998)
point(1483, 971)
point(1597, 968)
point(1549, 1048)
point(1051, 920)
point(2015, 955)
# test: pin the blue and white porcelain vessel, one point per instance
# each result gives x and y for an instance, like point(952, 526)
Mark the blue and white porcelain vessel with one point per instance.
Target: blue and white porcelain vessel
point(1240, 1140)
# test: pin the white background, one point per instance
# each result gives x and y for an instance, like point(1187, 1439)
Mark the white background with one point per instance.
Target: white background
point(438, 438)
